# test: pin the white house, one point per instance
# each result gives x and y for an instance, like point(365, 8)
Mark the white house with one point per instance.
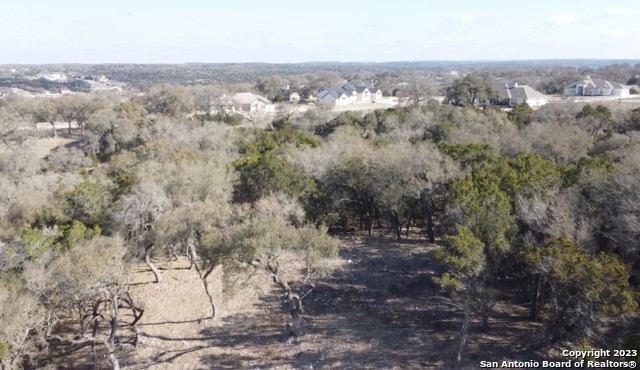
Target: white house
point(515, 94)
point(292, 96)
point(363, 94)
point(334, 97)
point(596, 87)
point(376, 94)
point(348, 94)
point(249, 102)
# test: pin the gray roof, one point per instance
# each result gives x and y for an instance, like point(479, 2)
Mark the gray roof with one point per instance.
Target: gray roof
point(335, 92)
point(348, 89)
point(516, 91)
point(597, 83)
point(345, 89)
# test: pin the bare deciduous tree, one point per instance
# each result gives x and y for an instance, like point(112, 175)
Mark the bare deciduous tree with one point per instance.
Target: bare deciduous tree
point(136, 216)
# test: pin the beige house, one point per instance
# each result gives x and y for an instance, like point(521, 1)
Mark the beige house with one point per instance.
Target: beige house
point(249, 102)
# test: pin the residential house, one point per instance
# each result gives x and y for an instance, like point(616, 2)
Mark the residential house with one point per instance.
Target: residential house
point(515, 94)
point(363, 94)
point(291, 96)
point(349, 94)
point(376, 94)
point(596, 87)
point(334, 97)
point(249, 102)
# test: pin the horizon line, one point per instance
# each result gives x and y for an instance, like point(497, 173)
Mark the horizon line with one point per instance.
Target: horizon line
point(336, 61)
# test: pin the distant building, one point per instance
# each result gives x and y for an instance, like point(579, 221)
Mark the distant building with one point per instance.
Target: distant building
point(249, 102)
point(292, 96)
point(596, 87)
point(57, 77)
point(349, 94)
point(334, 97)
point(376, 94)
point(515, 94)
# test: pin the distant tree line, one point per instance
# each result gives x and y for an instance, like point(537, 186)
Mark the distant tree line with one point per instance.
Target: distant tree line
point(549, 77)
point(43, 84)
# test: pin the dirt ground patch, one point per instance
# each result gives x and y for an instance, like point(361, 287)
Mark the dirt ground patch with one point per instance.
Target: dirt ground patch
point(42, 147)
point(380, 310)
point(387, 103)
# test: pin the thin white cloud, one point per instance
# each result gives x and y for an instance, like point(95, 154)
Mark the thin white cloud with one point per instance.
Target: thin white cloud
point(618, 12)
point(615, 33)
point(465, 18)
point(563, 19)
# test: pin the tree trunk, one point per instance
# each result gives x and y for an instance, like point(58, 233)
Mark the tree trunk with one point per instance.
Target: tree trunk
point(485, 319)
point(368, 222)
point(81, 124)
point(137, 313)
point(296, 315)
point(193, 256)
point(463, 330)
point(205, 282)
point(114, 318)
point(431, 235)
point(111, 345)
point(214, 309)
point(115, 365)
point(396, 226)
point(154, 269)
point(82, 318)
point(429, 213)
point(94, 334)
point(55, 133)
point(406, 235)
point(533, 310)
point(295, 300)
point(69, 129)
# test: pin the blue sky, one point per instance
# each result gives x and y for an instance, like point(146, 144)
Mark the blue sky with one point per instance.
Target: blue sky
point(162, 31)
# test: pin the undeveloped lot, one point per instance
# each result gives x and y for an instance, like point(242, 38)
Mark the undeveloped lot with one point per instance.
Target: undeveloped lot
point(380, 310)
